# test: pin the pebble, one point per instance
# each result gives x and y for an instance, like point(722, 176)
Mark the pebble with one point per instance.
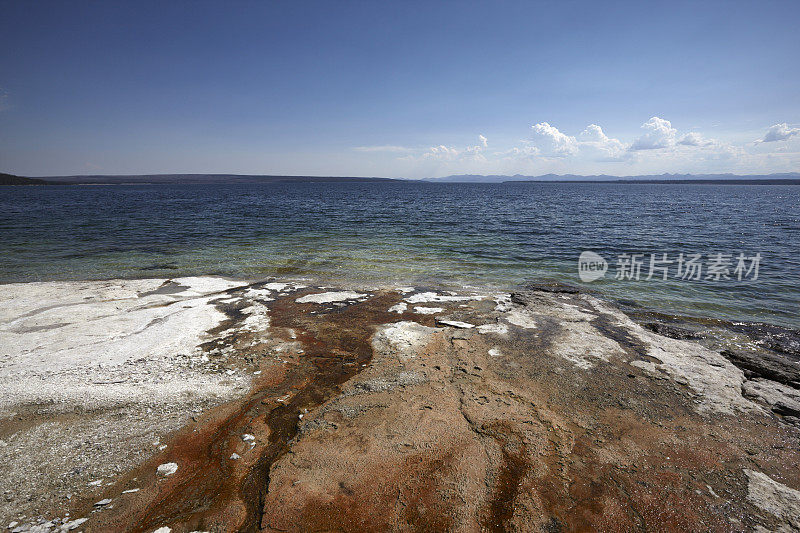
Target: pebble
point(456, 324)
point(167, 469)
point(101, 503)
point(69, 526)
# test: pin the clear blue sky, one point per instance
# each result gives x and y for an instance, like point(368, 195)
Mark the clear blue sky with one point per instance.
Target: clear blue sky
point(399, 88)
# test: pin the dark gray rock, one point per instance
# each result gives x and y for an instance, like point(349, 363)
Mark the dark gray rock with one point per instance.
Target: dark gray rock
point(553, 287)
point(673, 332)
point(774, 366)
point(785, 409)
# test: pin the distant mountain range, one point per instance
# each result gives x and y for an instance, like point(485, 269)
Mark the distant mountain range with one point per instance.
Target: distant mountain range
point(604, 178)
point(791, 178)
point(196, 179)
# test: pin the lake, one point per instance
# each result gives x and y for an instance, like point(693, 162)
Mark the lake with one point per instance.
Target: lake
point(496, 236)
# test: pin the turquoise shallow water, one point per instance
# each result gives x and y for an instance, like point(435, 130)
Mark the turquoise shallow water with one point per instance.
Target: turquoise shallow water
point(495, 235)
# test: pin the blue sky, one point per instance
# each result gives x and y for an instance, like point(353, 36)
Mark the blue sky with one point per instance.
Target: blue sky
point(401, 89)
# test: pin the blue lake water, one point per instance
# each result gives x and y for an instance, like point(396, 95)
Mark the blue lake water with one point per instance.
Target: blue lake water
point(484, 235)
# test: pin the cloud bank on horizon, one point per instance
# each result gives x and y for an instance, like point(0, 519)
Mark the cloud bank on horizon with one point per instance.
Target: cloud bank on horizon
point(659, 147)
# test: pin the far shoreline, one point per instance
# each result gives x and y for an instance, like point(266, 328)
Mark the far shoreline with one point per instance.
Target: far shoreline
point(253, 179)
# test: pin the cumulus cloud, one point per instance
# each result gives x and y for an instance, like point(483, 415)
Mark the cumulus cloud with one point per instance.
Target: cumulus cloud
point(694, 139)
point(659, 133)
point(592, 142)
point(443, 152)
point(659, 148)
point(594, 138)
point(593, 133)
point(449, 153)
point(552, 142)
point(660, 142)
point(779, 132)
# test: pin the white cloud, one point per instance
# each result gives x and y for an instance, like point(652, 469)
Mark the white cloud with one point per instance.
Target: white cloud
point(449, 153)
point(552, 142)
point(779, 132)
point(593, 133)
point(443, 152)
point(383, 148)
point(594, 139)
point(527, 150)
point(592, 143)
point(659, 148)
point(659, 133)
point(695, 139)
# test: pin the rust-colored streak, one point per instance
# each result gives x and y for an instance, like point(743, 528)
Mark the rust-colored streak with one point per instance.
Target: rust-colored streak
point(210, 491)
point(337, 346)
point(512, 472)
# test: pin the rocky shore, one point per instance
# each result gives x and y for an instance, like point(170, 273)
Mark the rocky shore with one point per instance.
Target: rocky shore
point(205, 404)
